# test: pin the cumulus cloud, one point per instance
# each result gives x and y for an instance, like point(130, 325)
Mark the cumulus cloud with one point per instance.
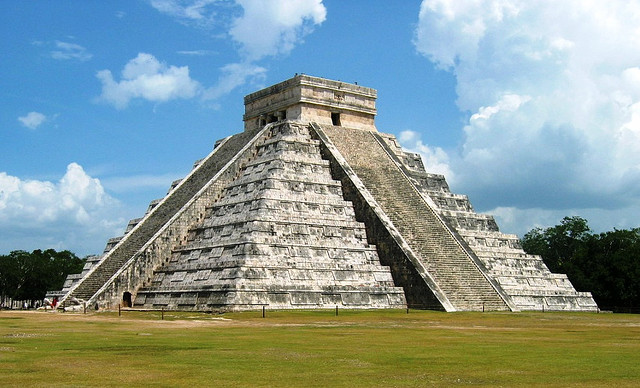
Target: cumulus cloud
point(552, 90)
point(265, 27)
point(234, 75)
point(187, 10)
point(147, 78)
point(66, 51)
point(260, 28)
point(66, 212)
point(32, 120)
point(270, 27)
point(435, 159)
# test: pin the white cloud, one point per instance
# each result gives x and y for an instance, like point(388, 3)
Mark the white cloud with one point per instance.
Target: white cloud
point(32, 120)
point(264, 27)
point(508, 102)
point(270, 27)
point(260, 28)
point(73, 211)
point(435, 159)
point(553, 95)
point(197, 53)
point(66, 51)
point(234, 75)
point(191, 10)
point(147, 78)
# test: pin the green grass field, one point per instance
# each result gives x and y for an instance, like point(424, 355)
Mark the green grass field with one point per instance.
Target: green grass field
point(318, 349)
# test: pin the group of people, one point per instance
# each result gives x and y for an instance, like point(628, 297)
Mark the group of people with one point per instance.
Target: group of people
point(48, 304)
point(72, 304)
point(28, 305)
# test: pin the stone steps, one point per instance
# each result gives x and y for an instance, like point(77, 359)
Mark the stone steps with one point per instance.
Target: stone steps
point(274, 227)
point(281, 225)
point(525, 278)
point(152, 222)
point(455, 273)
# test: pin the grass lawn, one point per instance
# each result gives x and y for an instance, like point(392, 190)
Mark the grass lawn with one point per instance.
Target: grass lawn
point(384, 348)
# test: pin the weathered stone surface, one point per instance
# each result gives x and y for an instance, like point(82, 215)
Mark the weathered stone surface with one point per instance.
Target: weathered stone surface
point(312, 207)
point(525, 278)
point(311, 99)
point(450, 271)
point(281, 235)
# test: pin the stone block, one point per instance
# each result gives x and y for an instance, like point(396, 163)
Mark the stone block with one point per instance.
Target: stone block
point(356, 299)
point(306, 298)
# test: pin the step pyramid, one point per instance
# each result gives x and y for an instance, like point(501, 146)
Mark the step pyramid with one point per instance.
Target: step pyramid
point(312, 207)
point(280, 235)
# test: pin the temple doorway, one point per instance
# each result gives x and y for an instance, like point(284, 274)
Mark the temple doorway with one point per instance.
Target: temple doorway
point(126, 299)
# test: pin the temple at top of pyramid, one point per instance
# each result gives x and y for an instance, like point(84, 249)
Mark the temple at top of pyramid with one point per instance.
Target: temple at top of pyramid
point(310, 99)
point(311, 207)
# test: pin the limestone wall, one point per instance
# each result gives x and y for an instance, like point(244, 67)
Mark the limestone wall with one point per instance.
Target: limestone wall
point(138, 271)
point(310, 99)
point(280, 235)
point(104, 274)
point(525, 278)
point(403, 270)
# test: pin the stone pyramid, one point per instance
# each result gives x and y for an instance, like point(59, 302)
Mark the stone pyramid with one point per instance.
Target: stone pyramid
point(312, 207)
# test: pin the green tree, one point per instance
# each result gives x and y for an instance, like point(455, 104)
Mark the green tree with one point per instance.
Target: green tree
point(606, 264)
point(8, 276)
point(612, 260)
point(558, 244)
point(28, 276)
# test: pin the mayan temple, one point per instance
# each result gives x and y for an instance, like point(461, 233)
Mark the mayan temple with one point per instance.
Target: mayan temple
point(311, 207)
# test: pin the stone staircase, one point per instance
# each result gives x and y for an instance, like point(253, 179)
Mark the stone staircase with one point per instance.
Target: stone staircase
point(158, 215)
point(525, 278)
point(300, 212)
point(454, 271)
point(281, 235)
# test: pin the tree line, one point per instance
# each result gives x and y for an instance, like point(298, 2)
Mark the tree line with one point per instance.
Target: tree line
point(606, 264)
point(28, 276)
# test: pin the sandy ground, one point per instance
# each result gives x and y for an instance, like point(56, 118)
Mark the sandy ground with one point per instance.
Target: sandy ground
point(182, 322)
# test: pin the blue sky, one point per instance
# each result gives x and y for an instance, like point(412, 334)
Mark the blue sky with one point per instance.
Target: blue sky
point(530, 108)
